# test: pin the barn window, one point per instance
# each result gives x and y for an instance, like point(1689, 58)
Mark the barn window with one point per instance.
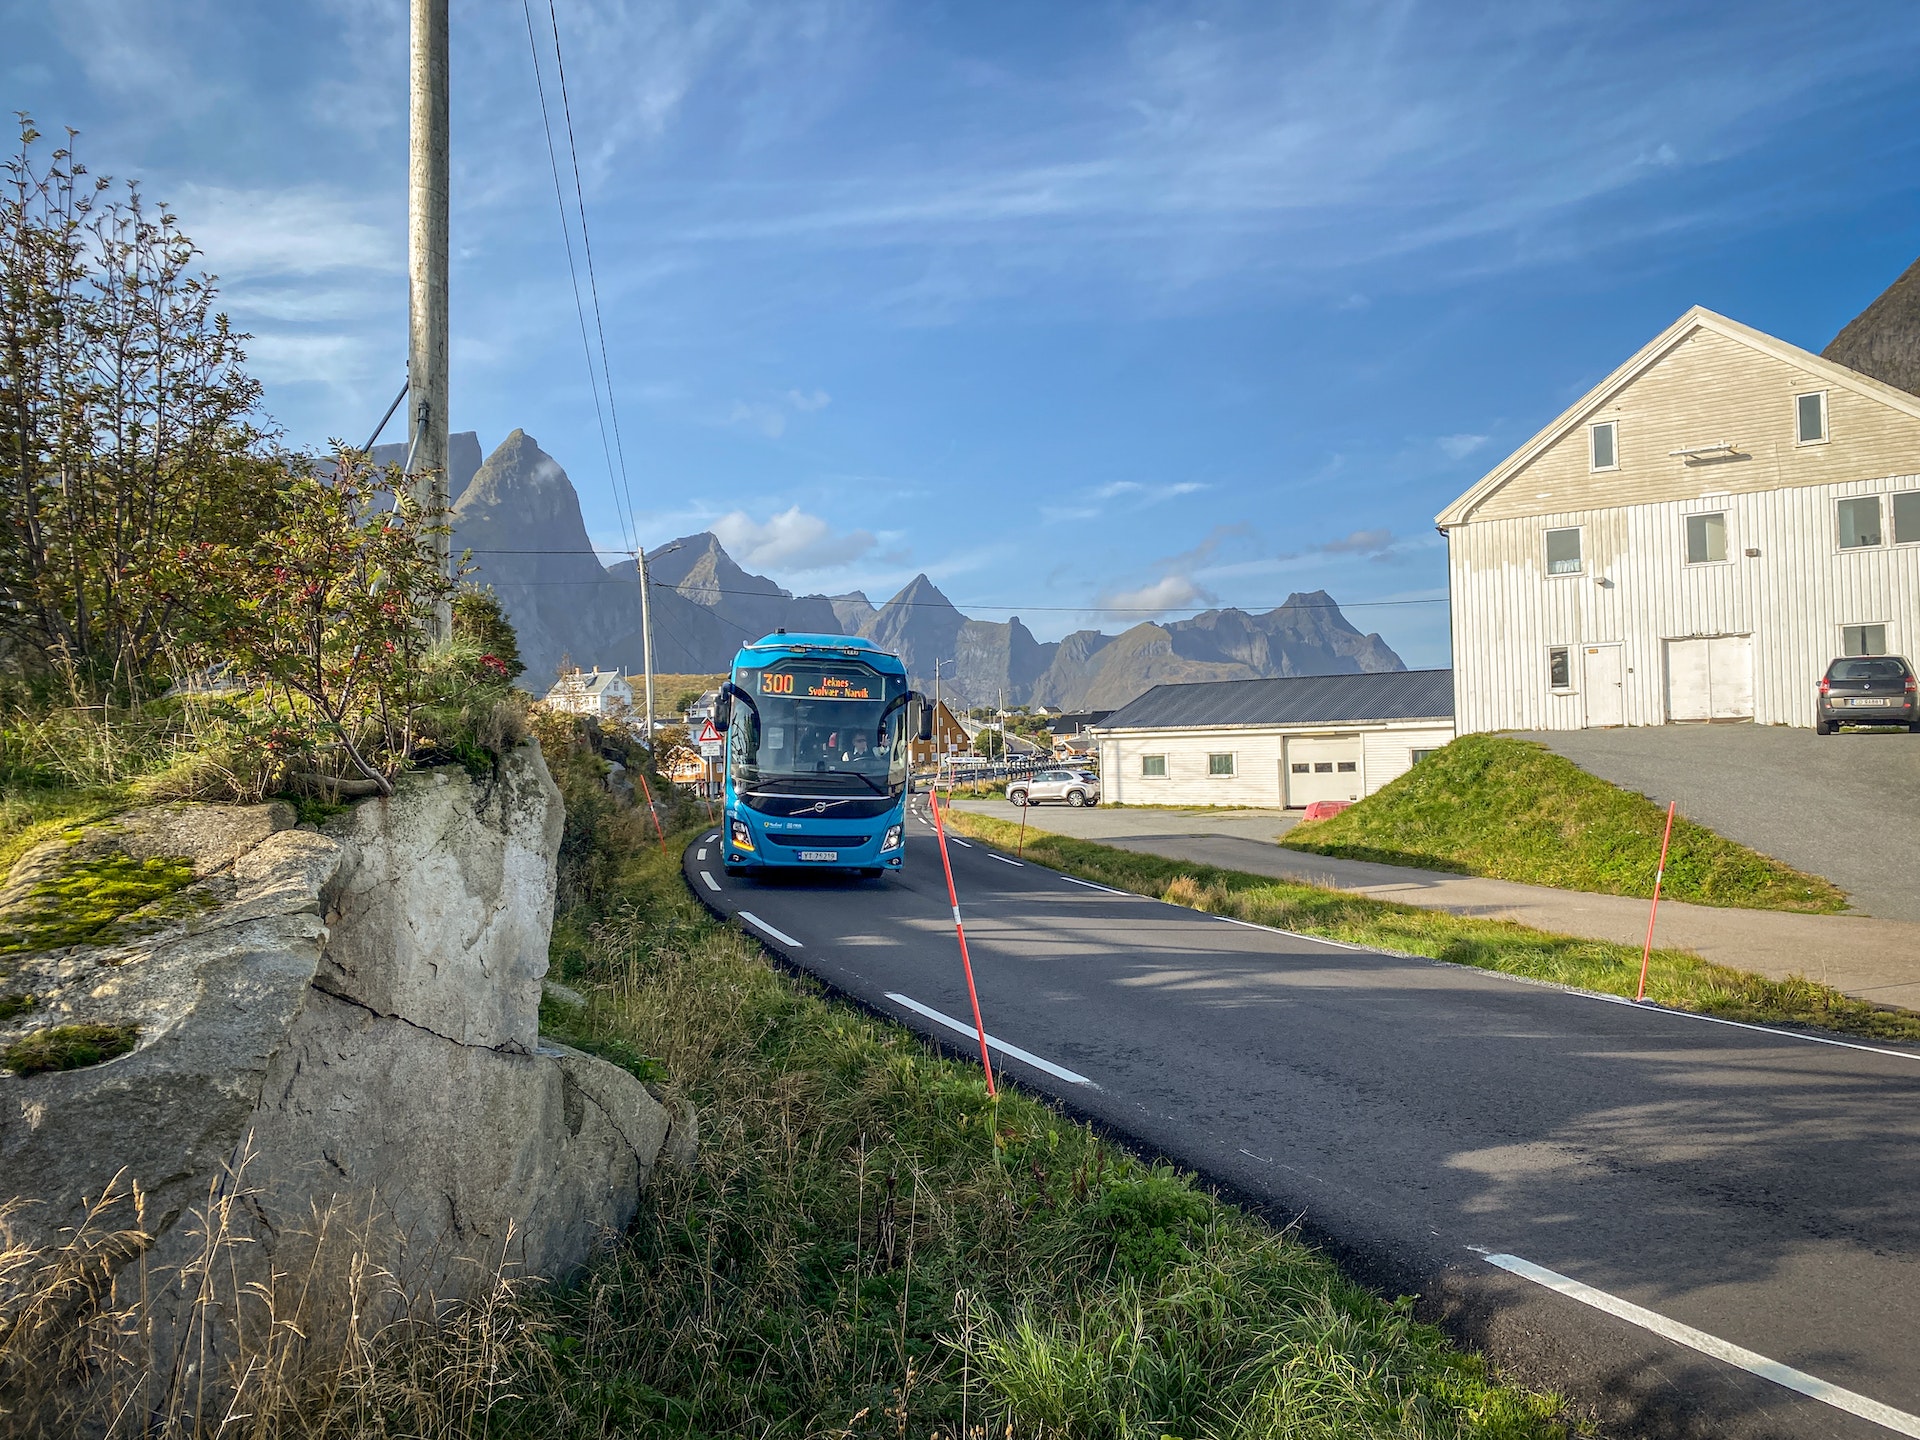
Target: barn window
point(1859, 522)
point(1347, 767)
point(1863, 639)
point(1603, 448)
point(1153, 765)
point(1706, 538)
point(1220, 764)
point(1560, 667)
point(1906, 518)
point(1810, 418)
point(1419, 755)
point(1563, 551)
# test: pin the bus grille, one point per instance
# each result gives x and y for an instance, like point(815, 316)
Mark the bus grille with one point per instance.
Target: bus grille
point(820, 842)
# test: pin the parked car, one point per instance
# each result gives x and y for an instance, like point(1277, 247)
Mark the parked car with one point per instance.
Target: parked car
point(1076, 787)
point(1868, 690)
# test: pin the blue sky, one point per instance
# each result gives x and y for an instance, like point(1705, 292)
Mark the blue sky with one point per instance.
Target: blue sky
point(1083, 309)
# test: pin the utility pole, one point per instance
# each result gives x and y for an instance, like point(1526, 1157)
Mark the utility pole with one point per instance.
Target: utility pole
point(646, 628)
point(428, 138)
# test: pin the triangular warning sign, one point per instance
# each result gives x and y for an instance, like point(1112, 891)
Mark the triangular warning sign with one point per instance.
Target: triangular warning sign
point(708, 735)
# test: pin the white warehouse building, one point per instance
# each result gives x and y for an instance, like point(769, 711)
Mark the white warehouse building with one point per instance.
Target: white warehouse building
point(1282, 742)
point(1695, 539)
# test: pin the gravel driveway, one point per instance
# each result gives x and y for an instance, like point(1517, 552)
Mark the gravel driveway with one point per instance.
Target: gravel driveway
point(1844, 806)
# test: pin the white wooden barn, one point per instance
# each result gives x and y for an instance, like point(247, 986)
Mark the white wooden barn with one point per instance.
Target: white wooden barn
point(1272, 743)
point(1695, 539)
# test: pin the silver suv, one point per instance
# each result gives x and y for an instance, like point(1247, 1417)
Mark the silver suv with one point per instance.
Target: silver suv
point(1076, 787)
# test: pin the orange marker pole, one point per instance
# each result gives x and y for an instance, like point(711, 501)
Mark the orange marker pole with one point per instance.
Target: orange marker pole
point(1659, 875)
point(647, 790)
point(980, 1029)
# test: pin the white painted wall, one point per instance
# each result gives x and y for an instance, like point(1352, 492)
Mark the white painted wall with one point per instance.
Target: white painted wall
point(1258, 751)
point(1793, 598)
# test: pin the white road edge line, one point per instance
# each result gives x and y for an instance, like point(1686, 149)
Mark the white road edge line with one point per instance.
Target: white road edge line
point(701, 853)
point(758, 923)
point(1101, 888)
point(713, 837)
point(958, 841)
point(994, 1043)
point(1020, 864)
point(1293, 934)
point(1813, 1386)
point(1746, 1025)
point(712, 884)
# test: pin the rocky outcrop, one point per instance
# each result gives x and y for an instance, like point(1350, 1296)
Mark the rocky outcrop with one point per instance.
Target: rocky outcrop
point(331, 1023)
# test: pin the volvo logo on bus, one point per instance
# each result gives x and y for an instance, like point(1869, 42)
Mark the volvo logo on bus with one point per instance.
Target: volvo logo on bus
point(819, 807)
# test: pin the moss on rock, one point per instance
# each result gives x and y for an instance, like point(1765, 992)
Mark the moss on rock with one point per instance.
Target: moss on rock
point(97, 895)
point(68, 1047)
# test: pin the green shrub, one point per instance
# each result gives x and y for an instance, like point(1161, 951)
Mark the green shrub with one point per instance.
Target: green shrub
point(68, 1047)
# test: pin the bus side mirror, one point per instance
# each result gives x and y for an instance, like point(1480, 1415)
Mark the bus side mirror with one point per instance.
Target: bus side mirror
point(926, 720)
point(723, 711)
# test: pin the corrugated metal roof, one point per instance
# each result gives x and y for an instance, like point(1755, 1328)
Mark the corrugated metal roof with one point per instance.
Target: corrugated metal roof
point(1292, 700)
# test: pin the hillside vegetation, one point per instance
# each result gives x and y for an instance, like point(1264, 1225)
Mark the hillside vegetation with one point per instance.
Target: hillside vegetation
point(1513, 810)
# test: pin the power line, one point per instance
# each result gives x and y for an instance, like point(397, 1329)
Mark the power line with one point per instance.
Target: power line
point(593, 281)
point(566, 236)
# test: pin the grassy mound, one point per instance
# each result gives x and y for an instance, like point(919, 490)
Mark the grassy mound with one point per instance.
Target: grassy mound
point(69, 1047)
point(1674, 977)
point(870, 1246)
point(1513, 810)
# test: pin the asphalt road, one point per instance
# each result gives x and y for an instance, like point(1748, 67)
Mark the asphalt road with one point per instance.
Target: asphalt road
point(1423, 1119)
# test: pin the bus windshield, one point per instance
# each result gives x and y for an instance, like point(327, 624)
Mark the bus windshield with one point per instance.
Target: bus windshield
point(818, 730)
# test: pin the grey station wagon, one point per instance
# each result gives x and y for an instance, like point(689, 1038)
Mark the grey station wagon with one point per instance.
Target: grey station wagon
point(1867, 690)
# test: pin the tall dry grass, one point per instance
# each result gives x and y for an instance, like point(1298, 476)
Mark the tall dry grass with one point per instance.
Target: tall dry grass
point(100, 1339)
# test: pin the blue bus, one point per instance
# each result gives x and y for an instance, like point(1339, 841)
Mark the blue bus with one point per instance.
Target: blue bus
point(818, 761)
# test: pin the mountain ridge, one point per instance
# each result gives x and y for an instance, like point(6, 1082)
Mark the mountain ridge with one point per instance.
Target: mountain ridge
point(518, 513)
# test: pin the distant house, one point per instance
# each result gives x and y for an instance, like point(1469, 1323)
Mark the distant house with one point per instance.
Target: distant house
point(950, 737)
point(591, 692)
point(1694, 539)
point(1282, 742)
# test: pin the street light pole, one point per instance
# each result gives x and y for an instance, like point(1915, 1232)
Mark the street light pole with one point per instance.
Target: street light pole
point(428, 140)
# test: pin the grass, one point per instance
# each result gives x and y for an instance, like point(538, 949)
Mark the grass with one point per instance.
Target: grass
point(1674, 977)
point(870, 1246)
point(1513, 810)
point(68, 1047)
point(31, 814)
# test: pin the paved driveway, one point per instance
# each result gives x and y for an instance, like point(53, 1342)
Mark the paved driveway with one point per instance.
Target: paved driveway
point(1844, 806)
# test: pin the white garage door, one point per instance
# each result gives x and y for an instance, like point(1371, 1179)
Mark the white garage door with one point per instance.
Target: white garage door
point(1323, 767)
point(1710, 678)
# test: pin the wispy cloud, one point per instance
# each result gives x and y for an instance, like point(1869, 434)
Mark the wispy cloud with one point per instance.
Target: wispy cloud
point(1169, 592)
point(1459, 447)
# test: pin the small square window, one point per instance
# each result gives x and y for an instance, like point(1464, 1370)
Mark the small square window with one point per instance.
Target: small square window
point(1810, 418)
point(1706, 539)
point(1419, 755)
point(1301, 768)
point(1560, 668)
point(1153, 765)
point(1906, 518)
point(1863, 639)
point(1323, 767)
point(1219, 764)
point(1603, 451)
point(1563, 551)
point(1859, 522)
point(1348, 767)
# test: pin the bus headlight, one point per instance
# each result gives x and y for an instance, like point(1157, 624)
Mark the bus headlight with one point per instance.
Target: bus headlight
point(742, 836)
point(892, 840)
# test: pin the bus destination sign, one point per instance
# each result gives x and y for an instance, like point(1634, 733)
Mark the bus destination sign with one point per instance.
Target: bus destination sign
point(821, 684)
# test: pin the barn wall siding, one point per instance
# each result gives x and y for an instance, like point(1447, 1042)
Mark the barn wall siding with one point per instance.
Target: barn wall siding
point(1635, 589)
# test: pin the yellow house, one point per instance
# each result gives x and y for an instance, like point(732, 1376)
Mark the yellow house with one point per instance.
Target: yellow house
point(1694, 539)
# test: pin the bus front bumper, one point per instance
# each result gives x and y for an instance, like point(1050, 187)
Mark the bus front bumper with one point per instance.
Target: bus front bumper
point(882, 849)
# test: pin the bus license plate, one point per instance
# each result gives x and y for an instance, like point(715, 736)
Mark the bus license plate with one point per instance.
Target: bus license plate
point(819, 854)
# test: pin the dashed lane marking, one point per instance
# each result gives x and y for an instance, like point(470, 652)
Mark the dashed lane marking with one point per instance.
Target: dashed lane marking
point(1898, 1421)
point(995, 1045)
point(1101, 888)
point(712, 884)
point(1294, 934)
point(1020, 864)
point(780, 935)
point(958, 841)
point(701, 853)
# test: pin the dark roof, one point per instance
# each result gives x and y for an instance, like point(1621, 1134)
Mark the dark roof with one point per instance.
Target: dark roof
point(1292, 700)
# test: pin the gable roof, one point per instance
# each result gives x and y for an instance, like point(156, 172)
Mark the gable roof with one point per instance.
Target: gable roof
point(1652, 353)
point(585, 684)
point(1291, 700)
